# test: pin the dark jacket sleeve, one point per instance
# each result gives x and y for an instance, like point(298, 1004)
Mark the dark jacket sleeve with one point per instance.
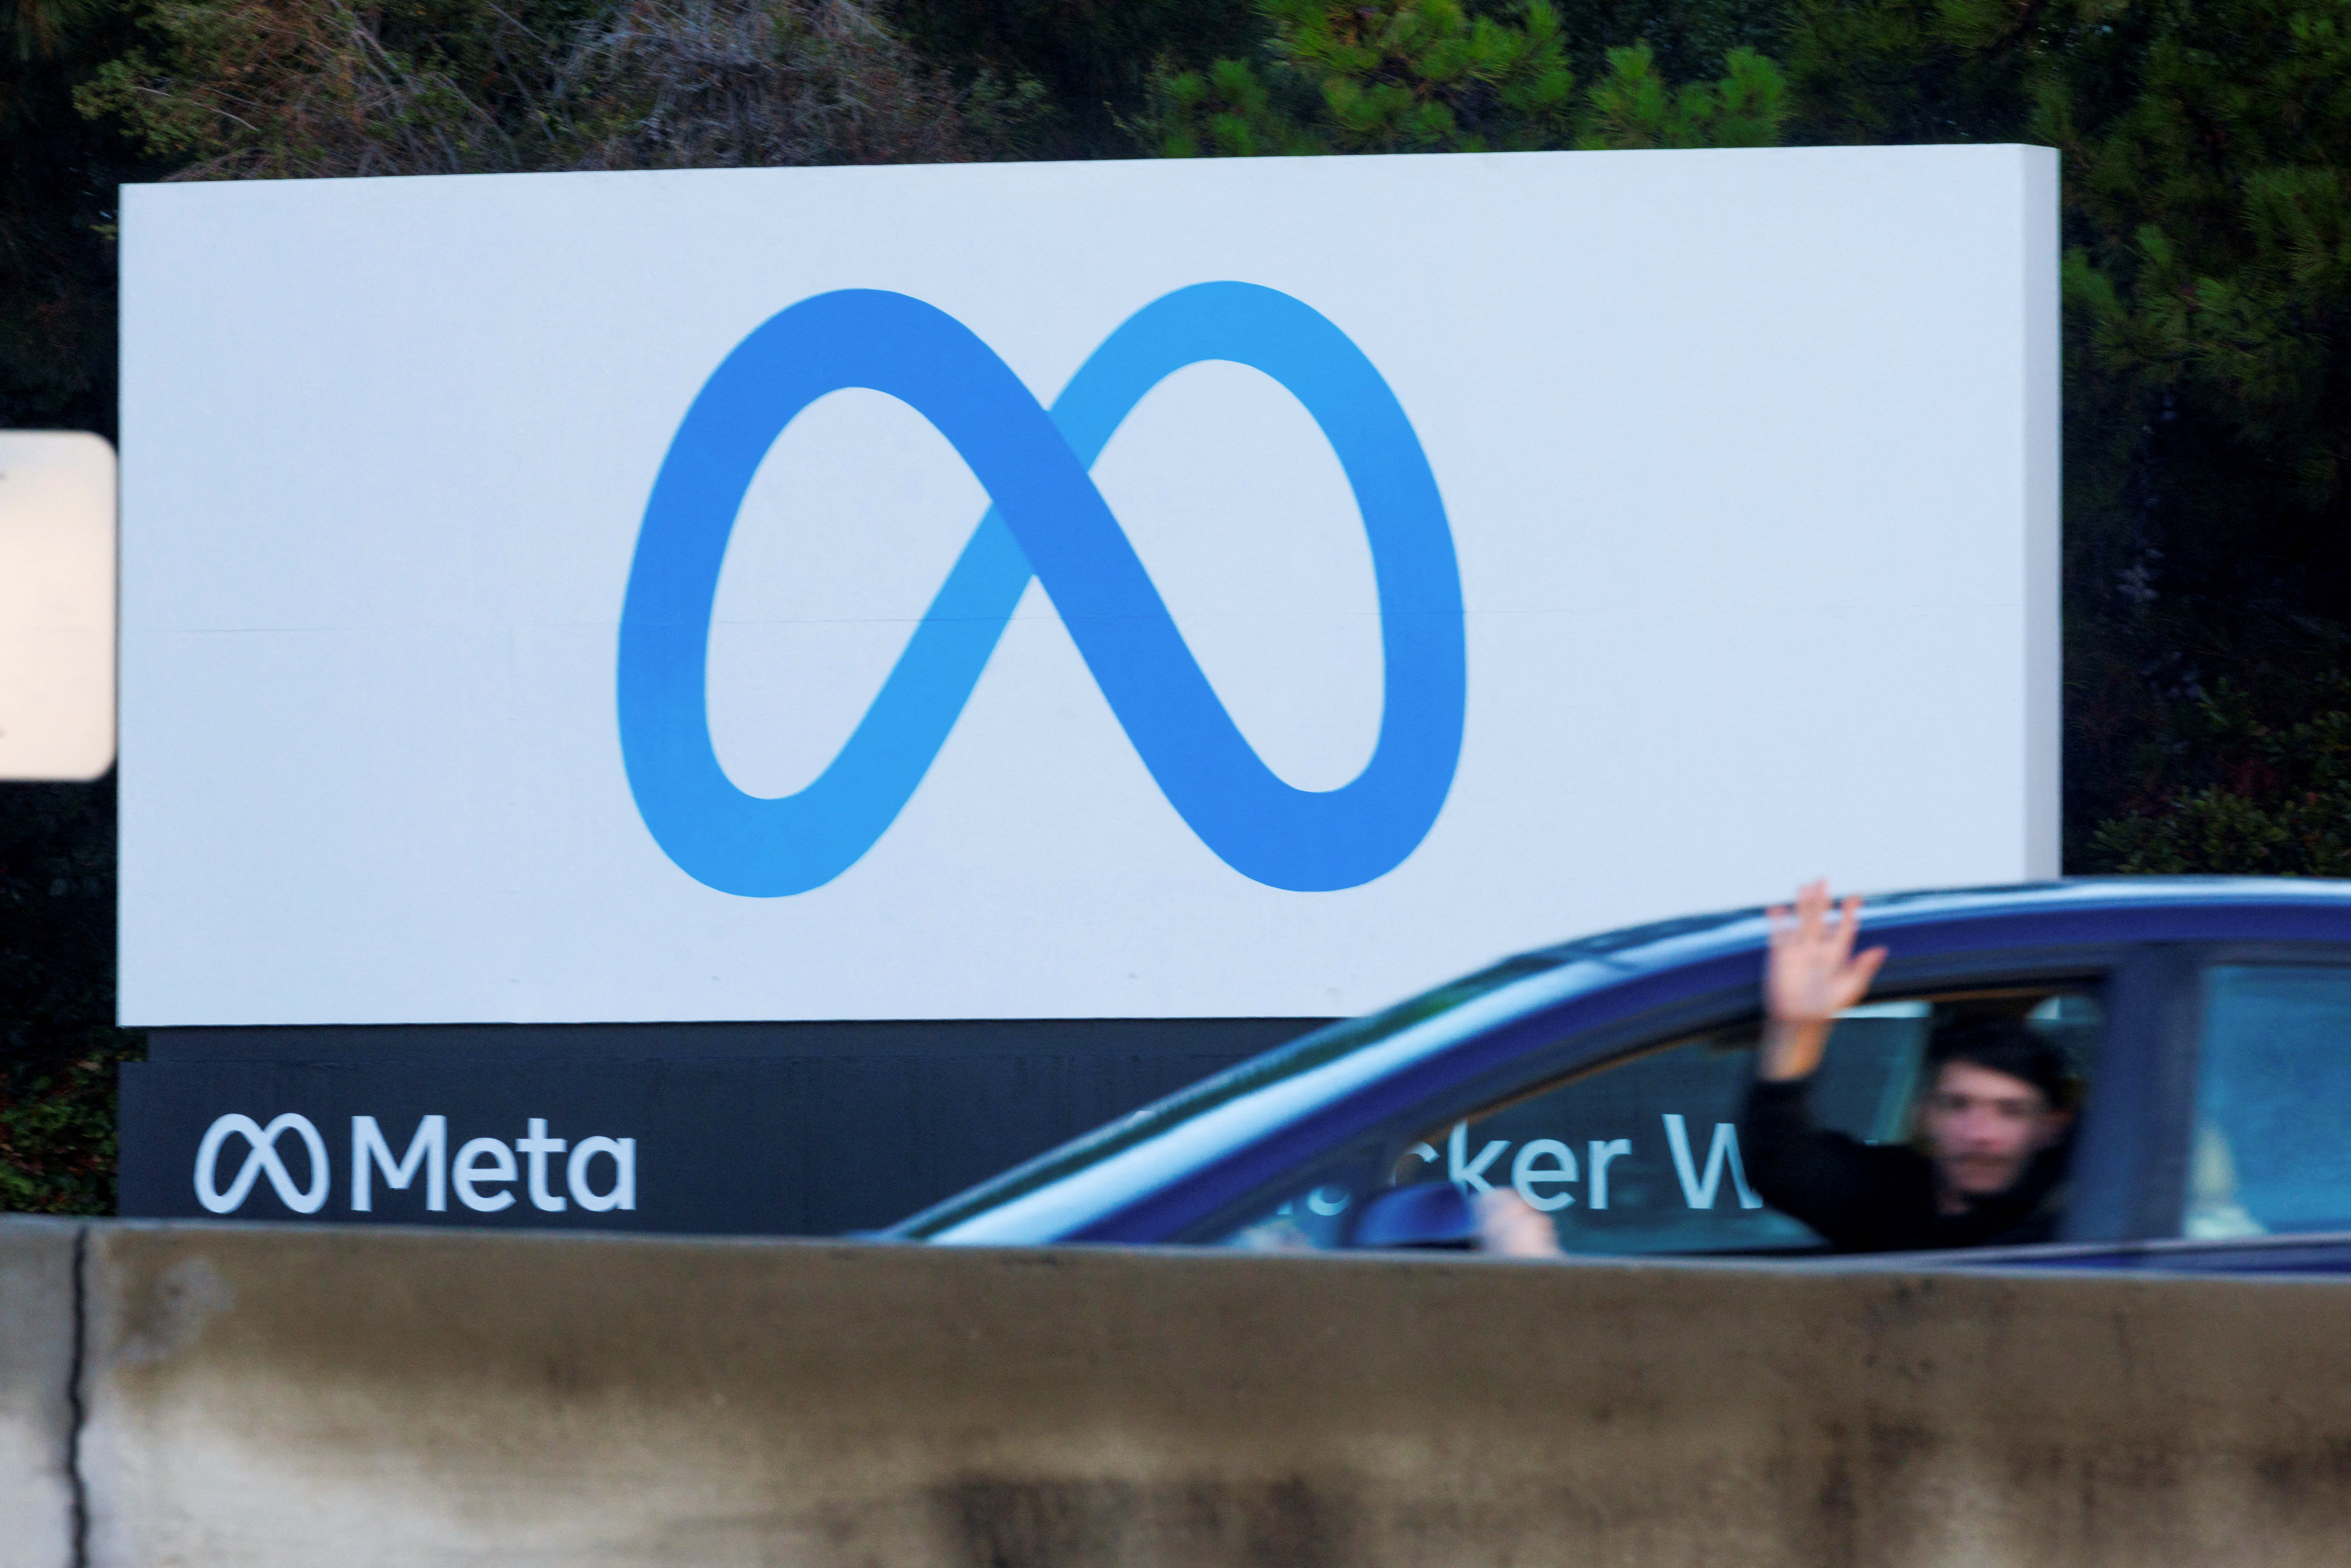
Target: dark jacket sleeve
point(1857, 1195)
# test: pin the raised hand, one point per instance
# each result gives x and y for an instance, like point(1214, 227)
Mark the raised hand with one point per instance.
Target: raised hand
point(1813, 975)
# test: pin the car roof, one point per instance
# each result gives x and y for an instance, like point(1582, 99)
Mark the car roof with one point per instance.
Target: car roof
point(1059, 1191)
point(1693, 936)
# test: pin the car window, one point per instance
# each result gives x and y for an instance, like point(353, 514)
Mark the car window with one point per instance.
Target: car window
point(1641, 1155)
point(2273, 1078)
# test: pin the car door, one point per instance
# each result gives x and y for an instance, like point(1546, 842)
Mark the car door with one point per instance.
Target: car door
point(2255, 1174)
point(1632, 1148)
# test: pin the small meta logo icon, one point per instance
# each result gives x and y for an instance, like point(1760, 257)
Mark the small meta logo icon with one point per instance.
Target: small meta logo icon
point(483, 1169)
point(1048, 521)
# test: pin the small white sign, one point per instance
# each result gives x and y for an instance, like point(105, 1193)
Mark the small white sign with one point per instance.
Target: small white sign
point(57, 605)
point(1231, 588)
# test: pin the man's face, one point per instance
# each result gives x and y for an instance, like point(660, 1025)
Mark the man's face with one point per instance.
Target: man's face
point(1982, 1128)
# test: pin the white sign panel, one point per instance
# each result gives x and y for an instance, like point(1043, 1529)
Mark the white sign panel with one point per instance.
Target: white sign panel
point(1217, 588)
point(57, 605)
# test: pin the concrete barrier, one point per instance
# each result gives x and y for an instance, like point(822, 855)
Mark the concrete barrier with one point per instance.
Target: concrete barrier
point(266, 1398)
point(37, 1376)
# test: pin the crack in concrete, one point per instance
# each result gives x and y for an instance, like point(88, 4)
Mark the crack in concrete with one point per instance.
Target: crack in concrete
point(77, 1490)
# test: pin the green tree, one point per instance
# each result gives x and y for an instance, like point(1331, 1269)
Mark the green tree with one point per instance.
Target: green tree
point(1416, 76)
point(1228, 110)
point(1907, 71)
point(1633, 105)
point(2252, 793)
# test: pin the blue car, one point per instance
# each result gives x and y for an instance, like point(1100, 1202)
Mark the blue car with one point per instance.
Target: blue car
point(2208, 1019)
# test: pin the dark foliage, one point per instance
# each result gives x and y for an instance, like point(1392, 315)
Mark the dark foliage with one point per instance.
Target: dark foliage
point(59, 174)
point(1462, 76)
point(56, 997)
point(1088, 62)
point(311, 88)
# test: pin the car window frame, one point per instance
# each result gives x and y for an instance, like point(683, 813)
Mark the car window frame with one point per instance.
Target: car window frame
point(2130, 1150)
point(2099, 965)
point(2173, 1110)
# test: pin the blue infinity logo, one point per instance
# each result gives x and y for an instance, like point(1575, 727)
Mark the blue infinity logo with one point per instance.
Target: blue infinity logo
point(1048, 520)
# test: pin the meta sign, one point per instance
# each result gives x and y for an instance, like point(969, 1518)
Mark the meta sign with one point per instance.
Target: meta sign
point(1220, 589)
point(1049, 524)
point(485, 1167)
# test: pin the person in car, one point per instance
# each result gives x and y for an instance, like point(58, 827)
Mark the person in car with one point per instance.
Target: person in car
point(1987, 1165)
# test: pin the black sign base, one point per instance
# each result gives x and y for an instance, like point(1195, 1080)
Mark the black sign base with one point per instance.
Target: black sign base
point(750, 1129)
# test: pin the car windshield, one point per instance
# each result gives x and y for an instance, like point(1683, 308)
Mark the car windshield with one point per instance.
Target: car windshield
point(1314, 1050)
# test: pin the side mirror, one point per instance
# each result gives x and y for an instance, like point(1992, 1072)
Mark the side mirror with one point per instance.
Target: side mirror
point(1433, 1215)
